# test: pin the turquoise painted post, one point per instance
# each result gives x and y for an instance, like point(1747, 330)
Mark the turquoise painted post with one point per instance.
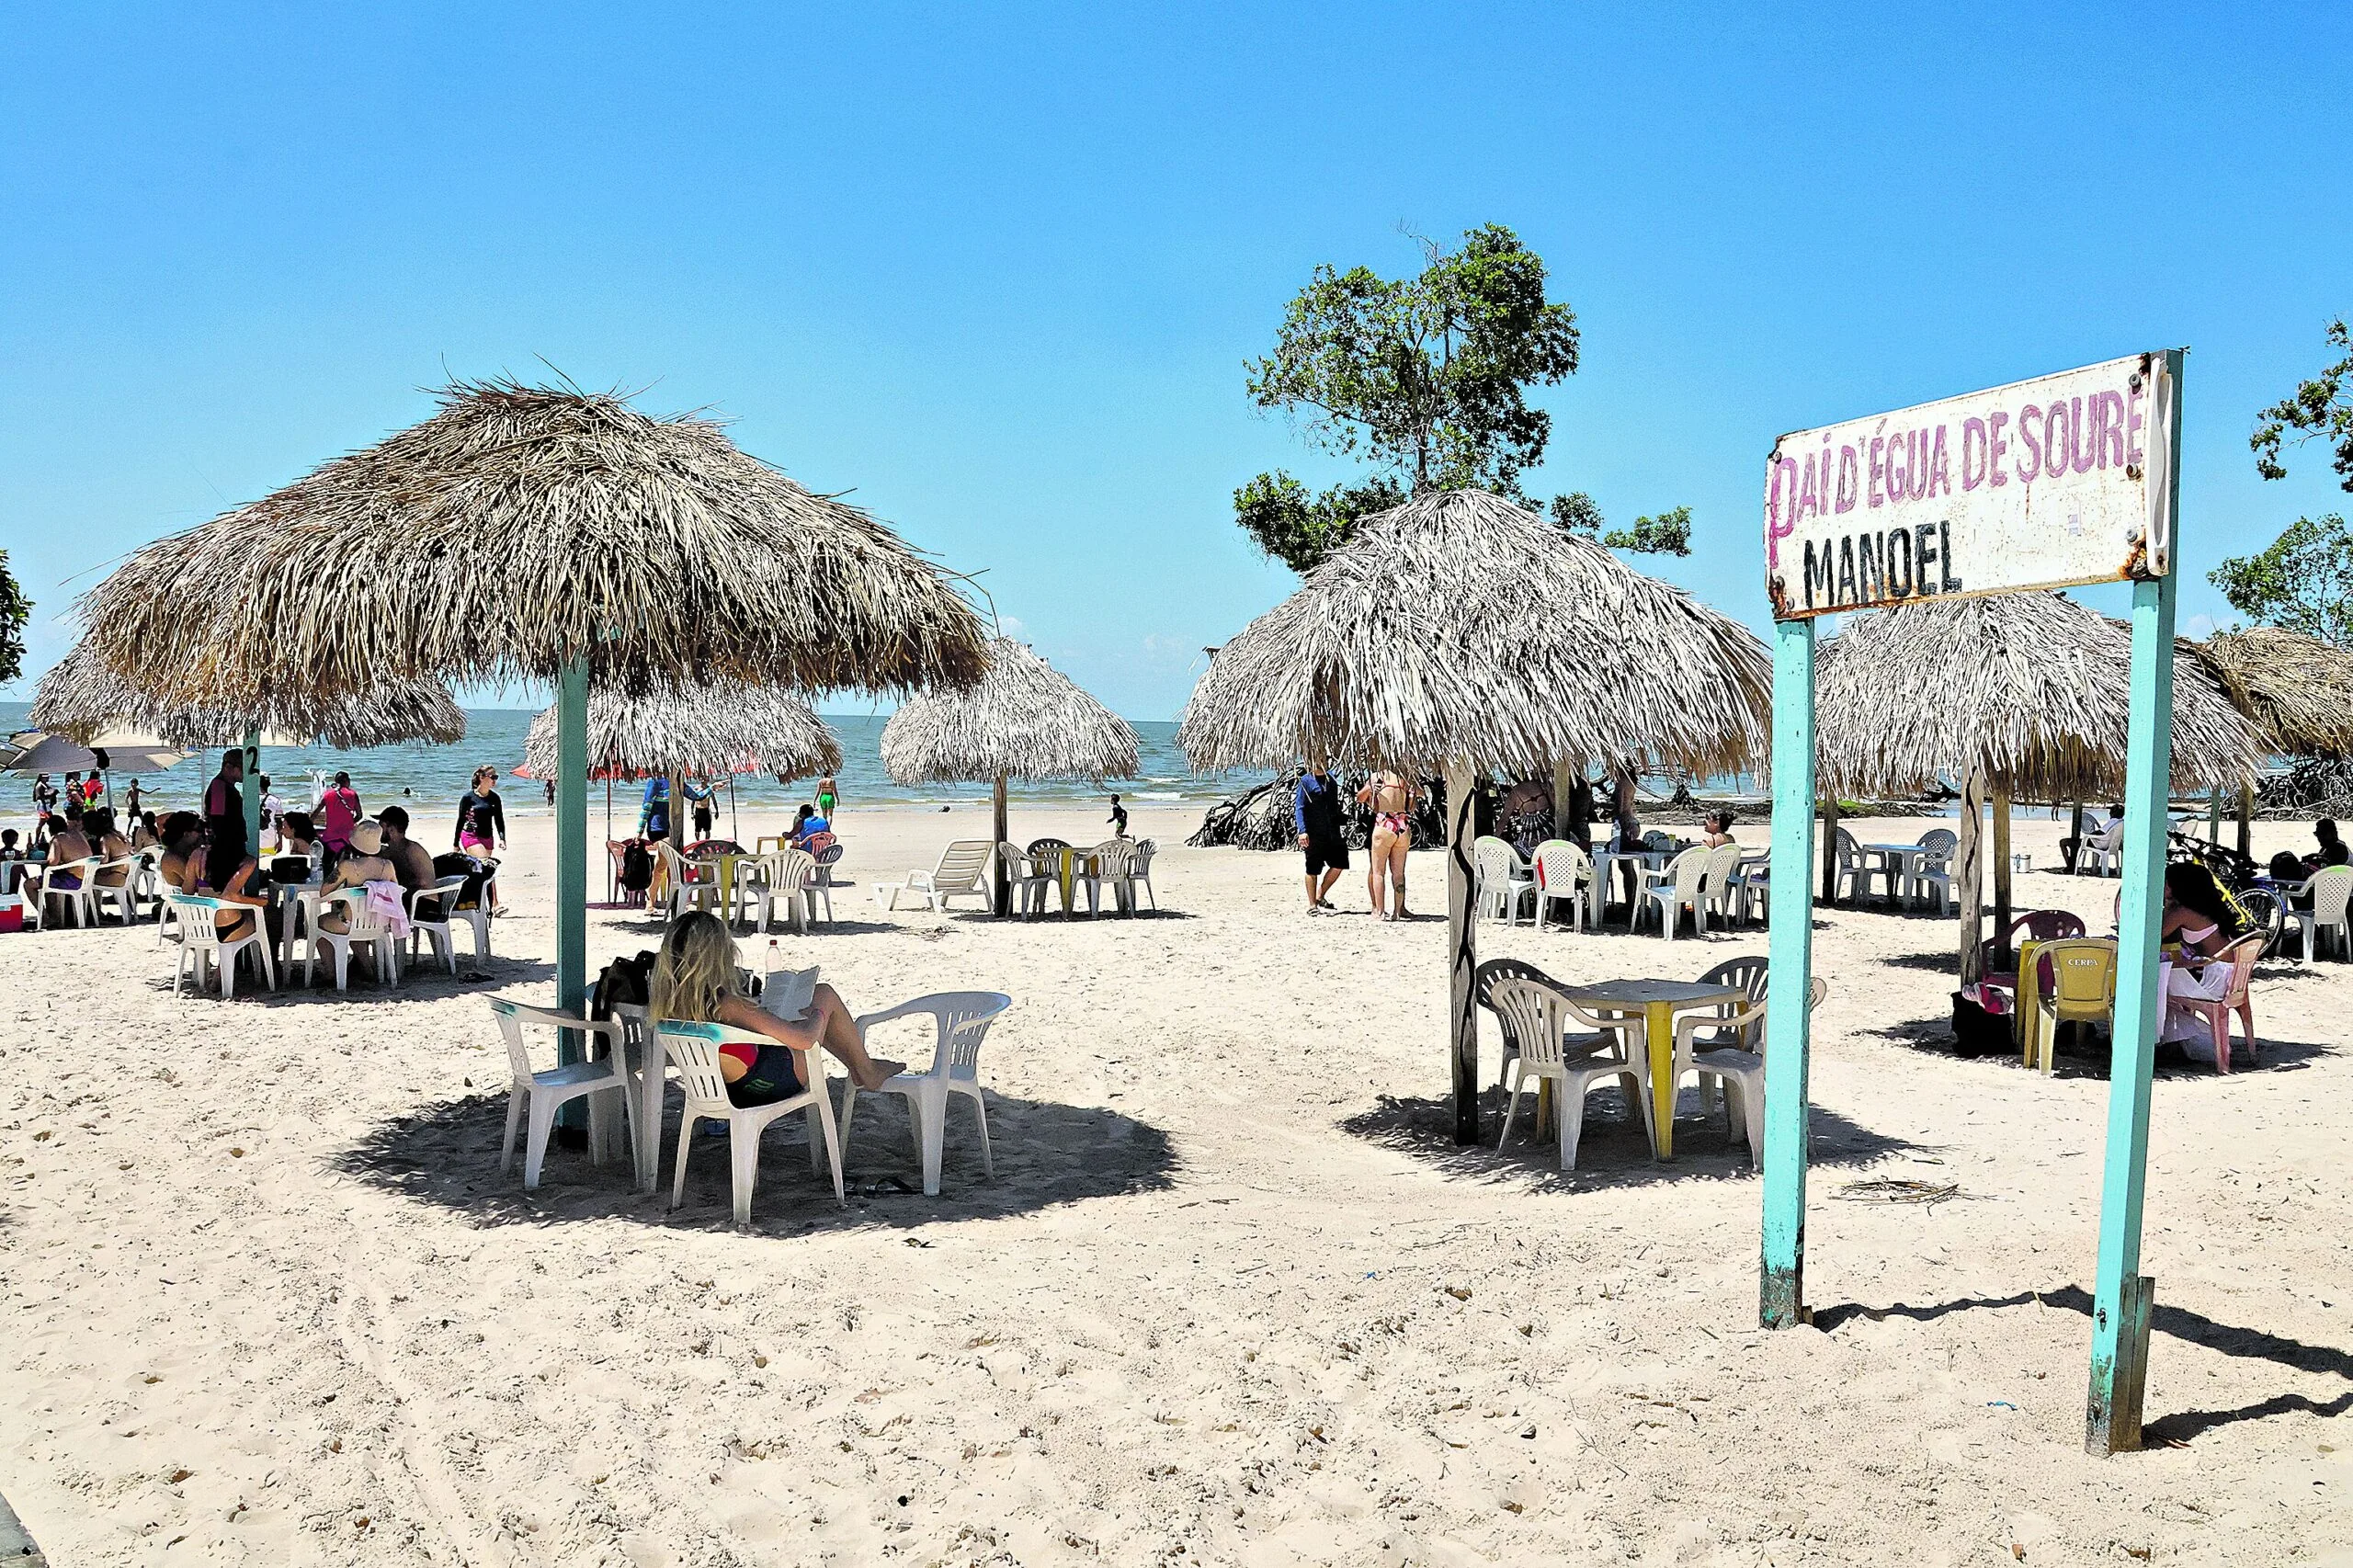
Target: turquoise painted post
point(572, 841)
point(2121, 1296)
point(1781, 1292)
point(252, 791)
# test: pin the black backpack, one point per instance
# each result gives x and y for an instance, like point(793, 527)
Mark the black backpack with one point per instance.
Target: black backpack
point(637, 868)
point(624, 980)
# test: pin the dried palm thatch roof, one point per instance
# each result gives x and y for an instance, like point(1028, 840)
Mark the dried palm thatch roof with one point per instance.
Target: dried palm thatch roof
point(1460, 626)
point(83, 699)
point(522, 527)
point(1026, 720)
point(2297, 690)
point(2034, 688)
point(709, 729)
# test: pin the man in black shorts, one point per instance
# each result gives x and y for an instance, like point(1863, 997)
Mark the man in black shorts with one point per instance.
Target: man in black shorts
point(1316, 813)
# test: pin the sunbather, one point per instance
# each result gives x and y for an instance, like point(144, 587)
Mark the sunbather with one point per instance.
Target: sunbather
point(695, 981)
point(363, 862)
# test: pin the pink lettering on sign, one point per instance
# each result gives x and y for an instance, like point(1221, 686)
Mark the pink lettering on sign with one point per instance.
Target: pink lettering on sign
point(2030, 425)
point(1973, 453)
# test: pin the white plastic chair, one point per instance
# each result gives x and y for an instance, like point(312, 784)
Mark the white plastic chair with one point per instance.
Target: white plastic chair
point(361, 929)
point(1679, 885)
point(1537, 1017)
point(1852, 870)
point(1503, 880)
point(2101, 849)
point(544, 1091)
point(1929, 881)
point(960, 1021)
point(1739, 1073)
point(1752, 884)
point(1107, 866)
point(957, 875)
point(1140, 854)
point(1029, 886)
point(2332, 889)
point(693, 1050)
point(821, 886)
point(82, 900)
point(200, 943)
point(122, 895)
point(1564, 874)
point(1723, 876)
point(430, 910)
point(787, 874)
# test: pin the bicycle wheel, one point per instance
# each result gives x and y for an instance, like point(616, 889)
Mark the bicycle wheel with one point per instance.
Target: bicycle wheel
point(2267, 912)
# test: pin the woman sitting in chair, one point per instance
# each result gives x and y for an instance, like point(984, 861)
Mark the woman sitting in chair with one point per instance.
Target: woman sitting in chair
point(694, 982)
point(185, 837)
point(2203, 920)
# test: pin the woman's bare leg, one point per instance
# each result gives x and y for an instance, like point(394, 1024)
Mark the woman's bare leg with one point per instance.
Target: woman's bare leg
point(1398, 843)
point(837, 1031)
point(1375, 888)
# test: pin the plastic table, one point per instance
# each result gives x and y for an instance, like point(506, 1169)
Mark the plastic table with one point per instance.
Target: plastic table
point(1657, 1000)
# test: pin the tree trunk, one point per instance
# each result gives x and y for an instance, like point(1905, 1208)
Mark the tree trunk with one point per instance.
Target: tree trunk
point(1972, 857)
point(2001, 862)
point(1003, 902)
point(1562, 779)
point(1830, 850)
point(1462, 1014)
point(2247, 819)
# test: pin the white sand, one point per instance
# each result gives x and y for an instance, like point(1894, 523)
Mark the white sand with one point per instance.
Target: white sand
point(1234, 1297)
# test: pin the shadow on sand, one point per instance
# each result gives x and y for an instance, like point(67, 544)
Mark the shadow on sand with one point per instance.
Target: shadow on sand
point(1612, 1149)
point(2194, 1328)
point(1046, 1155)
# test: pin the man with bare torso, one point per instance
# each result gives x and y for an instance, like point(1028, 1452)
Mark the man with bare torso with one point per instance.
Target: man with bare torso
point(1391, 798)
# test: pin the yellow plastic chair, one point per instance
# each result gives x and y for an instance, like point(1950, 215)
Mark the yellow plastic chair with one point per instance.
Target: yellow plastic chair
point(2083, 990)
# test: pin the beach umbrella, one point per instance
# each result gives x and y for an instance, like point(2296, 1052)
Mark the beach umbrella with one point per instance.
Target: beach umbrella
point(716, 730)
point(2019, 697)
point(538, 533)
point(34, 752)
point(2297, 691)
point(1461, 632)
point(82, 698)
point(1025, 720)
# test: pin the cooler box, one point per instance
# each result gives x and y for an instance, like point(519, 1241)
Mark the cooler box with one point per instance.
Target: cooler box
point(12, 912)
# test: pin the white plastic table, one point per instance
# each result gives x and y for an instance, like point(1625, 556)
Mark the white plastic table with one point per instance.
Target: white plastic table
point(1642, 859)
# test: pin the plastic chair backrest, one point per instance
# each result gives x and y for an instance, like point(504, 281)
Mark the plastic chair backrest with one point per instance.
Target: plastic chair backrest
point(1529, 1012)
point(204, 929)
point(1113, 856)
point(1038, 847)
point(1940, 842)
point(831, 855)
point(2047, 924)
point(2083, 974)
point(1144, 849)
point(693, 1050)
point(1015, 859)
point(359, 925)
point(2331, 888)
point(512, 1016)
point(1723, 861)
point(960, 1021)
point(1689, 871)
point(2242, 956)
point(1849, 852)
point(961, 862)
point(1488, 975)
point(792, 870)
point(1495, 860)
point(1753, 975)
point(1561, 865)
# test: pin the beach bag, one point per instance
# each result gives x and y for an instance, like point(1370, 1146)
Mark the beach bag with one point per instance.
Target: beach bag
point(637, 868)
point(623, 980)
point(1976, 1030)
point(476, 871)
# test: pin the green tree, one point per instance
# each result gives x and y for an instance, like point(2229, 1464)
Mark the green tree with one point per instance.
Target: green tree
point(1669, 533)
point(1427, 378)
point(2321, 406)
point(2303, 581)
point(14, 609)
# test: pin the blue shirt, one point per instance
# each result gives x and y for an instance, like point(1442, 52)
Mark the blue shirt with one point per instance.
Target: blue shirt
point(655, 815)
point(1320, 796)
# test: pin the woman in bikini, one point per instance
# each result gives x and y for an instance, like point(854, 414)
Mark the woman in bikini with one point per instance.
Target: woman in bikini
point(694, 982)
point(1391, 799)
point(2199, 917)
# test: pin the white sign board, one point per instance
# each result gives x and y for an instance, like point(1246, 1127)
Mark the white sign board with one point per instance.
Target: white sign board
point(2044, 483)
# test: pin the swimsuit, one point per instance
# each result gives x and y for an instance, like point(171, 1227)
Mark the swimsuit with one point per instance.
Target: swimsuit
point(768, 1076)
point(1392, 821)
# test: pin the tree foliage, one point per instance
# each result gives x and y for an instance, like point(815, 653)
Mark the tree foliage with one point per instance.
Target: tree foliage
point(1427, 378)
point(15, 609)
point(2321, 406)
point(1669, 533)
point(2303, 581)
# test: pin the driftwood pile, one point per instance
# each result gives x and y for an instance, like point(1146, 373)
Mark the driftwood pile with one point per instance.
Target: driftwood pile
point(1261, 819)
point(2313, 787)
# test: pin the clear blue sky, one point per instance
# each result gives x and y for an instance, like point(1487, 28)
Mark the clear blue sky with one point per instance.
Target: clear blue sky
point(995, 271)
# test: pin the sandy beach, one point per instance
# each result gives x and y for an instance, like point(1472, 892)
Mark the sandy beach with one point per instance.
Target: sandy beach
point(1235, 1297)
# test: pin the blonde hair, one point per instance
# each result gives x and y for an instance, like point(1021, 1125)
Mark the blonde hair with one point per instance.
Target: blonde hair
point(695, 971)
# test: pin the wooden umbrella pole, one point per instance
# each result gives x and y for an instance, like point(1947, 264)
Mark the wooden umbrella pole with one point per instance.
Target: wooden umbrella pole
point(1462, 938)
point(1002, 902)
point(734, 819)
point(1560, 786)
point(1830, 850)
point(2247, 819)
point(1972, 856)
point(2001, 862)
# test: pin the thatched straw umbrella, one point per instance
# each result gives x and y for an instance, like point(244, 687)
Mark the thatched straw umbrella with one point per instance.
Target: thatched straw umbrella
point(82, 698)
point(2297, 690)
point(1026, 720)
point(1460, 632)
point(715, 730)
point(539, 533)
point(2018, 696)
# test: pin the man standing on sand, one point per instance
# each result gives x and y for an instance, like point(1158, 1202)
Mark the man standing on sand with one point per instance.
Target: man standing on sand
point(1391, 799)
point(1315, 815)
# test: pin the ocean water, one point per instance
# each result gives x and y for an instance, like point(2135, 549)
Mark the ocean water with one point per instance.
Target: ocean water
point(434, 775)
